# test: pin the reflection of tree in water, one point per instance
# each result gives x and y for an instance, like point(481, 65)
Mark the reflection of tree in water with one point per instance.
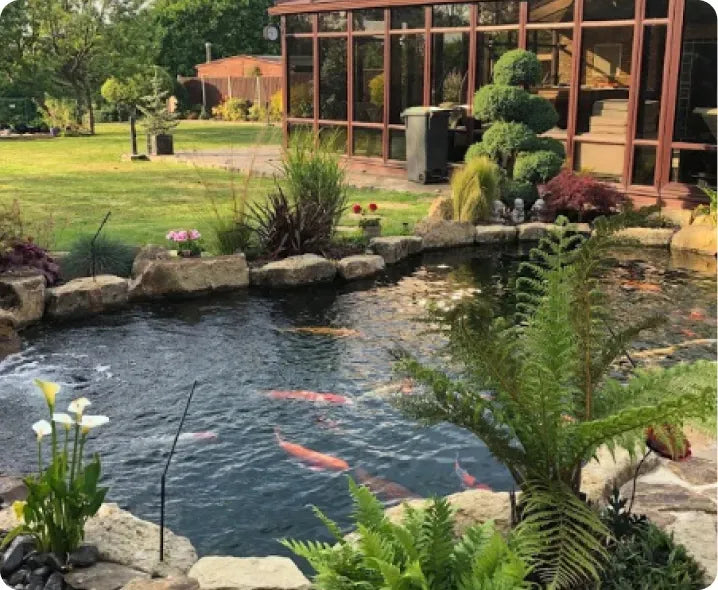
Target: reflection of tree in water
point(450, 57)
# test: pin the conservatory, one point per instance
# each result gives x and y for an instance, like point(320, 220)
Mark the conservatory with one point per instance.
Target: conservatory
point(633, 81)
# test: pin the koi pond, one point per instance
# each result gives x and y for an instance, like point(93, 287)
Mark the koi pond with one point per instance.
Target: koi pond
point(234, 487)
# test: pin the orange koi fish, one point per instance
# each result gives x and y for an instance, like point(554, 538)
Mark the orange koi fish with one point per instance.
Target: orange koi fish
point(384, 488)
point(697, 315)
point(325, 331)
point(641, 286)
point(688, 333)
point(313, 458)
point(310, 396)
point(469, 481)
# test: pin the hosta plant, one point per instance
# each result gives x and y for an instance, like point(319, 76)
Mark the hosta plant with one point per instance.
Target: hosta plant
point(419, 553)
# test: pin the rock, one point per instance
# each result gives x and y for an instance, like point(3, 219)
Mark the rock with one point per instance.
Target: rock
point(692, 261)
point(8, 520)
point(696, 238)
point(704, 220)
point(55, 582)
point(495, 234)
point(15, 553)
point(84, 556)
point(678, 217)
point(127, 540)
point(103, 576)
point(471, 507)
point(248, 573)
point(19, 577)
point(86, 296)
point(35, 582)
point(295, 271)
point(579, 228)
point(359, 267)
point(10, 342)
point(441, 208)
point(52, 562)
point(695, 470)
point(657, 237)
point(533, 231)
point(696, 531)
point(146, 255)
point(11, 489)
point(655, 499)
point(395, 248)
point(601, 474)
point(22, 299)
point(169, 583)
point(439, 233)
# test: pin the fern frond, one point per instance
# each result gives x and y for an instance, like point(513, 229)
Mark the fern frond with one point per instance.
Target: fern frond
point(368, 511)
point(436, 544)
point(331, 526)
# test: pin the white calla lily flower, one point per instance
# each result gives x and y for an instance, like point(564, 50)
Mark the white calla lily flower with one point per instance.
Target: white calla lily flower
point(42, 428)
point(89, 422)
point(77, 406)
point(64, 419)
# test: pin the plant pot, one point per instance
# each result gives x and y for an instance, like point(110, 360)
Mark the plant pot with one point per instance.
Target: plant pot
point(162, 144)
point(188, 254)
point(371, 231)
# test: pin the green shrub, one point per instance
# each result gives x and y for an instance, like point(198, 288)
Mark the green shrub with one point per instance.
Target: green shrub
point(517, 67)
point(61, 113)
point(232, 109)
point(540, 114)
point(503, 140)
point(112, 257)
point(501, 103)
point(549, 144)
point(421, 552)
point(512, 190)
point(536, 167)
point(474, 188)
point(475, 150)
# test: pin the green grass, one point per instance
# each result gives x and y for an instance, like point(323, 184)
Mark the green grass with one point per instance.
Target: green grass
point(71, 182)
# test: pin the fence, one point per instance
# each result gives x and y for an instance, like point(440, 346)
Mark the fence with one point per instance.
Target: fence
point(216, 90)
point(17, 112)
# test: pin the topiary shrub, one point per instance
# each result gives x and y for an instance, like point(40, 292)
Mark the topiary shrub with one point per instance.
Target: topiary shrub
point(517, 68)
point(111, 257)
point(581, 197)
point(512, 190)
point(474, 187)
point(537, 167)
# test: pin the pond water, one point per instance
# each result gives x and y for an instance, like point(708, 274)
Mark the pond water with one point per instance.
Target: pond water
point(235, 491)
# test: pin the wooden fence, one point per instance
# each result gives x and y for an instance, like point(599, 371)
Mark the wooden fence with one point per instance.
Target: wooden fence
point(219, 89)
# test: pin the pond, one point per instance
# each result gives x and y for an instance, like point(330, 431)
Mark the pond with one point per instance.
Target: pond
point(232, 489)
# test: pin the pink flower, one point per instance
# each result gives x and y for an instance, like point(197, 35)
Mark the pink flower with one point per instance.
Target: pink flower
point(181, 236)
point(171, 234)
point(194, 235)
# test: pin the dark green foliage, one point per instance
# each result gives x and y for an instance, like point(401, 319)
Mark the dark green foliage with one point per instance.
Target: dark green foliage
point(112, 257)
point(512, 190)
point(536, 167)
point(645, 216)
point(421, 552)
point(475, 151)
point(503, 140)
point(549, 144)
point(540, 114)
point(501, 103)
point(517, 67)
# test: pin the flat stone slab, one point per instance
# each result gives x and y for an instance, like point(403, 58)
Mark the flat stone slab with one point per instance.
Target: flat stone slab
point(169, 583)
point(695, 470)
point(248, 573)
point(533, 231)
point(294, 271)
point(652, 237)
point(701, 239)
point(103, 576)
point(360, 266)
point(22, 299)
point(396, 248)
point(600, 475)
point(86, 296)
point(11, 489)
point(495, 234)
point(440, 233)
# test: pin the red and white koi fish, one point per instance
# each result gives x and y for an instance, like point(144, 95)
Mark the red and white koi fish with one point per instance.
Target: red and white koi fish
point(384, 488)
point(206, 435)
point(314, 458)
point(310, 396)
point(468, 481)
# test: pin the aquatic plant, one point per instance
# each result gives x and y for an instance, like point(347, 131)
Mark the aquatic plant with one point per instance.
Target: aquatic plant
point(105, 256)
point(554, 403)
point(419, 552)
point(474, 188)
point(65, 493)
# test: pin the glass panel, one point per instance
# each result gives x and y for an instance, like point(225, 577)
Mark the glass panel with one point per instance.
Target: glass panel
point(410, 17)
point(300, 66)
point(694, 167)
point(554, 49)
point(332, 22)
point(298, 129)
point(333, 79)
point(644, 165)
point(369, 79)
point(696, 100)
point(407, 79)
point(498, 13)
point(397, 145)
point(489, 48)
point(656, 8)
point(601, 160)
point(651, 83)
point(369, 20)
point(368, 142)
point(449, 68)
point(299, 23)
point(550, 11)
point(605, 76)
point(334, 138)
point(451, 15)
point(608, 9)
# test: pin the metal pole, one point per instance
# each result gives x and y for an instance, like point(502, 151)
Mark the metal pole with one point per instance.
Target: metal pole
point(92, 242)
point(133, 134)
point(164, 474)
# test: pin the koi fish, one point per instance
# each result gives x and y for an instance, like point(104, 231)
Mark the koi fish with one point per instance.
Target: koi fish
point(383, 487)
point(688, 333)
point(325, 331)
point(206, 435)
point(404, 387)
point(468, 481)
point(310, 396)
point(697, 315)
point(314, 458)
point(641, 286)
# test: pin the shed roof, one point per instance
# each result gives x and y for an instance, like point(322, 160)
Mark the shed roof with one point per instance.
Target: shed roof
point(299, 6)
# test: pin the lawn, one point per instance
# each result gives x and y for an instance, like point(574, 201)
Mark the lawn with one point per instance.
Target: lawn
point(70, 183)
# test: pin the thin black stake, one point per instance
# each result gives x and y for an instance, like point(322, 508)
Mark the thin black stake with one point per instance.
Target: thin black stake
point(92, 242)
point(613, 335)
point(164, 474)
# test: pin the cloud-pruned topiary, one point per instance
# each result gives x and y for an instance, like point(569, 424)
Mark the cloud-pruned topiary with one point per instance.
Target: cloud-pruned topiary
point(516, 118)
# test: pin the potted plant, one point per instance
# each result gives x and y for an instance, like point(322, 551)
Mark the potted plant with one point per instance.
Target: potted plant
point(158, 121)
point(187, 242)
point(370, 224)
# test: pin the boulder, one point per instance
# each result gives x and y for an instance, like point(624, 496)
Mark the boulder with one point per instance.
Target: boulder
point(127, 540)
point(86, 296)
point(248, 573)
point(439, 233)
point(188, 277)
point(170, 583)
point(84, 556)
point(103, 576)
point(146, 255)
point(704, 220)
point(10, 342)
point(606, 470)
point(655, 237)
point(359, 267)
point(534, 231)
point(395, 248)
point(696, 238)
point(22, 299)
point(307, 269)
point(441, 208)
point(11, 489)
point(692, 261)
point(678, 217)
point(495, 234)
point(8, 521)
point(14, 554)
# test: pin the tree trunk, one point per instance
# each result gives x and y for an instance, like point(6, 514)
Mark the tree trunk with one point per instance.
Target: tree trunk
point(91, 112)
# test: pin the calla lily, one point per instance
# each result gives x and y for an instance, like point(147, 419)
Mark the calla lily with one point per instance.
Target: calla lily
point(64, 419)
point(89, 422)
point(42, 428)
point(49, 390)
point(77, 406)
point(18, 507)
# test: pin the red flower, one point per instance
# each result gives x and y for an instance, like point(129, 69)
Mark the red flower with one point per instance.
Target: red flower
point(356, 208)
point(373, 207)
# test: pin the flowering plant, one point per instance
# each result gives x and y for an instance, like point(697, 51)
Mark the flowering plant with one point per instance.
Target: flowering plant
point(366, 221)
point(187, 241)
point(63, 494)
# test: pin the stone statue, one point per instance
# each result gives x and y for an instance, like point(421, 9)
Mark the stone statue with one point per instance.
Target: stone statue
point(498, 213)
point(518, 215)
point(539, 211)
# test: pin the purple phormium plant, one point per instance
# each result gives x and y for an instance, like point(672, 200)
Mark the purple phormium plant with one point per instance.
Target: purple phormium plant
point(29, 255)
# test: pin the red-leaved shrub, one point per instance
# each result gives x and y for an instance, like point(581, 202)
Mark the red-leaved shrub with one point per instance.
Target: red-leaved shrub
point(580, 196)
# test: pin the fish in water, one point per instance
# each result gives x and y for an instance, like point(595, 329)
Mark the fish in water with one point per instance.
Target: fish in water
point(697, 315)
point(467, 480)
point(310, 396)
point(641, 286)
point(404, 387)
point(688, 333)
point(314, 458)
point(206, 435)
point(325, 331)
point(383, 488)
point(324, 422)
